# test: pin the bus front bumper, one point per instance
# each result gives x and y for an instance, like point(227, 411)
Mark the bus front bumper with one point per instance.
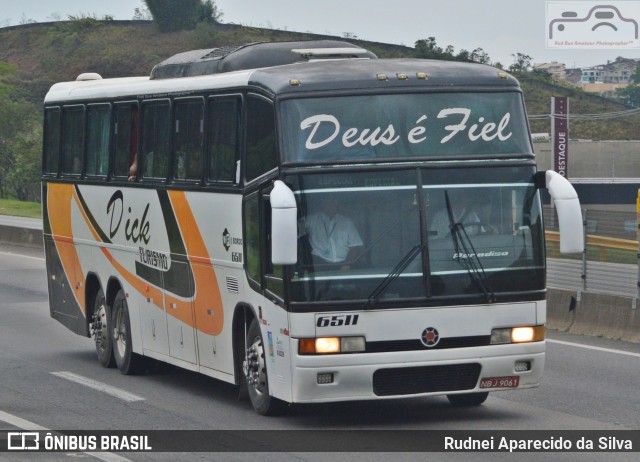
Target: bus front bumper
point(423, 373)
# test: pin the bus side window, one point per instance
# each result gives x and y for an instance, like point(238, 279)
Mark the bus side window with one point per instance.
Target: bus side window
point(51, 141)
point(274, 274)
point(98, 139)
point(260, 270)
point(252, 237)
point(224, 132)
point(189, 119)
point(72, 139)
point(261, 138)
point(156, 136)
point(125, 131)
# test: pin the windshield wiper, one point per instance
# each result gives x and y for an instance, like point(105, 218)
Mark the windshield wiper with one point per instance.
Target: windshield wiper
point(393, 275)
point(468, 258)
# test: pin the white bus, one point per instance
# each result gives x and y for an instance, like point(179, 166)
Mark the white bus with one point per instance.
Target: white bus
point(305, 221)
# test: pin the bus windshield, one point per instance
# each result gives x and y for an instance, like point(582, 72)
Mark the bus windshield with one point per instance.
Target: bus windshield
point(427, 125)
point(440, 234)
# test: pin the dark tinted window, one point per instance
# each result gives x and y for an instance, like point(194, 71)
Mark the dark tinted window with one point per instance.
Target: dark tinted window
point(189, 121)
point(51, 140)
point(252, 236)
point(126, 140)
point(261, 138)
point(73, 139)
point(156, 139)
point(374, 127)
point(224, 130)
point(98, 140)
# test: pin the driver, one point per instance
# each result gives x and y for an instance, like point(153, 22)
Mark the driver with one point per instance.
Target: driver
point(333, 237)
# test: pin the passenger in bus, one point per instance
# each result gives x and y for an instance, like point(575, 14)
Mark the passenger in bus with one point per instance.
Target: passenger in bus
point(133, 168)
point(332, 236)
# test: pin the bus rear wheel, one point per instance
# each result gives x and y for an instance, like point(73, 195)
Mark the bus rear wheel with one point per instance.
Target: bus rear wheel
point(468, 399)
point(128, 362)
point(100, 328)
point(255, 372)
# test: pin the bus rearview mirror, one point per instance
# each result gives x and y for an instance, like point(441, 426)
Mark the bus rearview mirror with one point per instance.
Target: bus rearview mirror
point(567, 205)
point(284, 225)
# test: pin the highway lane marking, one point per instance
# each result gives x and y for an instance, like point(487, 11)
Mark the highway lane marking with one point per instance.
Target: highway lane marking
point(103, 387)
point(590, 347)
point(30, 426)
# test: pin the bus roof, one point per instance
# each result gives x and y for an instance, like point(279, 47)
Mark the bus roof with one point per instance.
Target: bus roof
point(299, 77)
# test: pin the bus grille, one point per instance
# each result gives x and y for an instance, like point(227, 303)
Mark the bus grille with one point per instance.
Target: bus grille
point(387, 346)
point(425, 379)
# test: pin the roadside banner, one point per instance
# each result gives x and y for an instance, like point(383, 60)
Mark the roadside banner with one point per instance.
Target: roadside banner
point(560, 134)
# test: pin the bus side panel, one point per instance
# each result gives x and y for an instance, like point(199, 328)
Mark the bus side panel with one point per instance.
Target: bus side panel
point(64, 272)
point(221, 249)
point(62, 302)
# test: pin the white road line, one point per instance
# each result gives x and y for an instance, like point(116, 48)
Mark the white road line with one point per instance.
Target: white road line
point(103, 387)
point(20, 423)
point(30, 426)
point(590, 347)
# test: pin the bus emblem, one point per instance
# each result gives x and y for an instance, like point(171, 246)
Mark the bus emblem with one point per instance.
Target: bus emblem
point(226, 239)
point(430, 337)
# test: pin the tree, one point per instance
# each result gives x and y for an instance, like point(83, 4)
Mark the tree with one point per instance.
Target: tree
point(20, 141)
point(630, 94)
point(142, 14)
point(521, 64)
point(209, 13)
point(175, 15)
point(635, 77)
point(480, 56)
point(428, 49)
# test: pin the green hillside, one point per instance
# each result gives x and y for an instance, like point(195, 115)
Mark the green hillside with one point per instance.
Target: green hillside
point(45, 53)
point(538, 95)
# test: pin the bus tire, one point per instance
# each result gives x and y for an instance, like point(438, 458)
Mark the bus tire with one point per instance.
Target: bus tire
point(468, 399)
point(100, 328)
point(255, 371)
point(128, 362)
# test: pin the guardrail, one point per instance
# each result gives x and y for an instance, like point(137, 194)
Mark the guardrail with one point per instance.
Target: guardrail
point(603, 276)
point(599, 241)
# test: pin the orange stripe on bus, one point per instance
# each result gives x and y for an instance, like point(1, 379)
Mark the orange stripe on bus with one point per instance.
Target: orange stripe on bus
point(202, 260)
point(59, 202)
point(63, 239)
point(207, 301)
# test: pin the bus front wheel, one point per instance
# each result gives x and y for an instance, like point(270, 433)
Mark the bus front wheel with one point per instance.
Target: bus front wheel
point(127, 361)
point(255, 371)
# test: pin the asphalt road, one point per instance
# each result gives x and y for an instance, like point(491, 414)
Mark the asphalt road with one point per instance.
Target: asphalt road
point(590, 384)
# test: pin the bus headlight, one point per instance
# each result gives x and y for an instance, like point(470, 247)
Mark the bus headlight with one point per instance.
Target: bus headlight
point(331, 345)
point(517, 335)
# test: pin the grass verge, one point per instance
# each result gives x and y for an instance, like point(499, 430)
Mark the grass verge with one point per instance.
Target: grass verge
point(18, 208)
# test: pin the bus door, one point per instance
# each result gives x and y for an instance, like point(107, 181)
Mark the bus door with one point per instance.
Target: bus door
point(179, 309)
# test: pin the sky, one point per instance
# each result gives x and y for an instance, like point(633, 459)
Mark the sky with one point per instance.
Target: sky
point(501, 28)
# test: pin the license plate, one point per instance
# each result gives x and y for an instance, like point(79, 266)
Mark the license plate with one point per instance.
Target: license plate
point(511, 381)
